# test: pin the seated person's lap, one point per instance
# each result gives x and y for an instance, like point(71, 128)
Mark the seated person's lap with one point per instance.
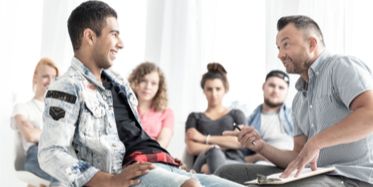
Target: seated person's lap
point(32, 164)
point(169, 176)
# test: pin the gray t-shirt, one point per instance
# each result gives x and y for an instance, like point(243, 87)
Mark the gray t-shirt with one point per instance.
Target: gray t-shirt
point(207, 126)
point(273, 131)
point(334, 81)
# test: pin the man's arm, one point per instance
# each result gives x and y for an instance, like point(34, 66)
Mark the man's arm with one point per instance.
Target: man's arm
point(282, 158)
point(356, 126)
point(250, 138)
point(56, 154)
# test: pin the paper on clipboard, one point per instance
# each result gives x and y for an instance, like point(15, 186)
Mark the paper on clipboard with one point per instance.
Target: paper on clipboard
point(275, 178)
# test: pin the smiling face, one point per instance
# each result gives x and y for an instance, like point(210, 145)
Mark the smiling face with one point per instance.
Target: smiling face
point(43, 77)
point(214, 91)
point(107, 45)
point(275, 91)
point(294, 49)
point(148, 87)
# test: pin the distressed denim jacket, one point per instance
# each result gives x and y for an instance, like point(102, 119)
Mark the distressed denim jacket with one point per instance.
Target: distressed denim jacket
point(80, 136)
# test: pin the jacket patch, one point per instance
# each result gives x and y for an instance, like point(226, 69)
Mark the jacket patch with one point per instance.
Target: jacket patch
point(56, 112)
point(61, 96)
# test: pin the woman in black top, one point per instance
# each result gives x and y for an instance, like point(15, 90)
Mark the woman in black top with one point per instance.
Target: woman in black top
point(204, 130)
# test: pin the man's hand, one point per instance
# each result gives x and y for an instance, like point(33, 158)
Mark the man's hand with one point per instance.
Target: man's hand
point(129, 175)
point(248, 137)
point(182, 166)
point(308, 155)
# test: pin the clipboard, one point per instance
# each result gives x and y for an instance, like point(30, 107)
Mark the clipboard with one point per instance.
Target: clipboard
point(275, 178)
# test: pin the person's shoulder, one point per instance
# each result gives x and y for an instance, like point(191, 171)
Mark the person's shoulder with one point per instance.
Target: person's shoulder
point(21, 108)
point(236, 111)
point(23, 103)
point(168, 111)
point(257, 109)
point(67, 81)
point(195, 115)
point(344, 61)
point(342, 65)
point(67, 87)
point(117, 77)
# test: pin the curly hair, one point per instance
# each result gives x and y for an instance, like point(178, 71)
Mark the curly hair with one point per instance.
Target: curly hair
point(215, 71)
point(160, 100)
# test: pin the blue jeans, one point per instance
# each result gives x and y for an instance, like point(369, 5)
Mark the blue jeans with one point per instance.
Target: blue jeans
point(169, 176)
point(32, 165)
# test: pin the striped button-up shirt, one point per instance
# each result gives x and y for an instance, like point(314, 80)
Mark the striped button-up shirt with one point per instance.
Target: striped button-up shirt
point(334, 82)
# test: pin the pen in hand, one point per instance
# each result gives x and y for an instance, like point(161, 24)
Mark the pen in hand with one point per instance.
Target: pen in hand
point(235, 126)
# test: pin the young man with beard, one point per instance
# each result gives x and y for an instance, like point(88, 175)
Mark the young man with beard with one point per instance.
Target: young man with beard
point(272, 119)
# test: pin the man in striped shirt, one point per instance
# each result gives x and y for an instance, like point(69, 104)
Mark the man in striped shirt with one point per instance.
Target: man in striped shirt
point(333, 113)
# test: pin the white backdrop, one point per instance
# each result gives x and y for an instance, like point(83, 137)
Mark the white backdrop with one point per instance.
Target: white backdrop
point(182, 36)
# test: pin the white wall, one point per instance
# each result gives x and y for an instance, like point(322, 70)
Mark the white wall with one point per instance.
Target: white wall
point(20, 37)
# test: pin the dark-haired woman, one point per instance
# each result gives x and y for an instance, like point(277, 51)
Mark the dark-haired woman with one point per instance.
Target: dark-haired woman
point(204, 130)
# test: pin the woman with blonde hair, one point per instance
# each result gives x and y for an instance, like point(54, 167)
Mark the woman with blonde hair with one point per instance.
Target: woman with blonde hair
point(149, 84)
point(27, 117)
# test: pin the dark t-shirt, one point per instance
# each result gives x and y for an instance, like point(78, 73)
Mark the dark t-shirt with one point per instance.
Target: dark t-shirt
point(206, 126)
point(129, 130)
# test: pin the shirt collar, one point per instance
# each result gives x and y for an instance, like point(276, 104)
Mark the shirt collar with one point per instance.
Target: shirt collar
point(79, 66)
point(313, 71)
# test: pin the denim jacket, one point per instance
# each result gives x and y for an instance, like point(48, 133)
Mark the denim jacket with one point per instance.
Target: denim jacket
point(80, 135)
point(285, 119)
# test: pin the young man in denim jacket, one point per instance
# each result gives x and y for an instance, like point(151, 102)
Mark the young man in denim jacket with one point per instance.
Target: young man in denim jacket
point(92, 134)
point(272, 119)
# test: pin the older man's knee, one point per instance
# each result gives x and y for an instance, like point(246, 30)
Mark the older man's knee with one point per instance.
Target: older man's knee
point(221, 171)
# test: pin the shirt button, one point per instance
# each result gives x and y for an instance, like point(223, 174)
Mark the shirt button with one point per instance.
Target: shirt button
point(310, 106)
point(113, 145)
point(312, 125)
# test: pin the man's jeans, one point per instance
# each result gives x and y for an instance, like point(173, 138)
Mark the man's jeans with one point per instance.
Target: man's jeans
point(170, 176)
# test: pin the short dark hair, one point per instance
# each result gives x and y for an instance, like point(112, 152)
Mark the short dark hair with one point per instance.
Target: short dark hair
point(280, 74)
point(301, 22)
point(89, 14)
